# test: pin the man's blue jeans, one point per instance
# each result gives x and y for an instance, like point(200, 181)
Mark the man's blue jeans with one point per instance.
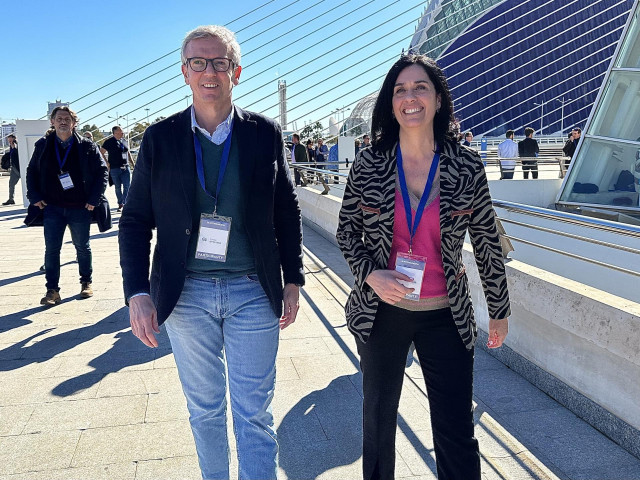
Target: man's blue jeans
point(55, 222)
point(121, 180)
point(218, 321)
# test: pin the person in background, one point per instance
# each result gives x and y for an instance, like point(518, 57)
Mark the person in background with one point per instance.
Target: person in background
point(366, 141)
point(507, 153)
point(404, 217)
point(14, 167)
point(468, 138)
point(570, 146)
point(529, 149)
point(298, 155)
point(66, 178)
point(119, 157)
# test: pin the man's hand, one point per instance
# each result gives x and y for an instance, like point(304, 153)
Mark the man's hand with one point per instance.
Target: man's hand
point(291, 305)
point(144, 319)
point(498, 329)
point(89, 207)
point(41, 204)
point(386, 285)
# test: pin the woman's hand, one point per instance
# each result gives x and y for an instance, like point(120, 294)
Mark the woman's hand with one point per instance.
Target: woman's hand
point(498, 329)
point(386, 285)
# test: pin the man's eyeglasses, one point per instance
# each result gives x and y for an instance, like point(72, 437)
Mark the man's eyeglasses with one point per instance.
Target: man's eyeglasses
point(199, 64)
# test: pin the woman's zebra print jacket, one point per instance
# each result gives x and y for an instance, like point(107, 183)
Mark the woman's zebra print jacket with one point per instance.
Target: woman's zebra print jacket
point(365, 232)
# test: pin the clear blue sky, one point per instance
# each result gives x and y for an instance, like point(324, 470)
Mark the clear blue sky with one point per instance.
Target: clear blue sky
point(66, 49)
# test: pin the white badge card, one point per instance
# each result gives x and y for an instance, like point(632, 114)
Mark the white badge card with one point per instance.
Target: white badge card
point(124, 155)
point(412, 266)
point(213, 238)
point(65, 181)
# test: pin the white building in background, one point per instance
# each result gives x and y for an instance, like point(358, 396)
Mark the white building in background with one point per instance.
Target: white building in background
point(57, 103)
point(5, 130)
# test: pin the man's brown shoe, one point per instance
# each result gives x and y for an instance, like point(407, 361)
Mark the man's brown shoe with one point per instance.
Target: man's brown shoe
point(51, 298)
point(86, 291)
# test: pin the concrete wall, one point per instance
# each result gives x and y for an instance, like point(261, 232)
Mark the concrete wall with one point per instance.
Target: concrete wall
point(588, 339)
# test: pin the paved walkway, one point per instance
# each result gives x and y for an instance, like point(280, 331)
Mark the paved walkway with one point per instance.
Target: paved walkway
point(81, 398)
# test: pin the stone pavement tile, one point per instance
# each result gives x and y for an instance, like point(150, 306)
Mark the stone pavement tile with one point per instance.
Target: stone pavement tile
point(13, 419)
point(624, 472)
point(125, 471)
point(29, 368)
point(326, 460)
point(297, 347)
point(145, 441)
point(507, 392)
point(568, 441)
point(285, 370)
point(320, 370)
point(85, 414)
point(37, 452)
point(38, 390)
point(415, 448)
point(164, 407)
point(483, 361)
point(110, 361)
point(344, 343)
point(176, 468)
point(304, 327)
point(163, 358)
point(140, 382)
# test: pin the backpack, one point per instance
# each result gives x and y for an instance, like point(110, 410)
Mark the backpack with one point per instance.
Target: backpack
point(6, 161)
point(625, 182)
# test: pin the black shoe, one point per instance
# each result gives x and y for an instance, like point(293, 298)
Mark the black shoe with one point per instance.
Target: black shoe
point(11, 201)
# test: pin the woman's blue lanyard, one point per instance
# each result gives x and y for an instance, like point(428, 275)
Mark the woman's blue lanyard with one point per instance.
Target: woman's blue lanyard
point(224, 161)
point(61, 162)
point(413, 226)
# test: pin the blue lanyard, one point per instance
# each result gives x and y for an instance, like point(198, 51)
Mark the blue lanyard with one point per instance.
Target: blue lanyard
point(224, 161)
point(63, 161)
point(413, 227)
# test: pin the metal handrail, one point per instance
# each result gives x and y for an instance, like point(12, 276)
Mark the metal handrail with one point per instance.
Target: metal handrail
point(572, 218)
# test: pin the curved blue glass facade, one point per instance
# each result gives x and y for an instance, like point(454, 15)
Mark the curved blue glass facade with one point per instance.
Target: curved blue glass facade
point(528, 63)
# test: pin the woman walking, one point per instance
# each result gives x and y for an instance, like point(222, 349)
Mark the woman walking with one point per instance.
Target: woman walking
point(408, 204)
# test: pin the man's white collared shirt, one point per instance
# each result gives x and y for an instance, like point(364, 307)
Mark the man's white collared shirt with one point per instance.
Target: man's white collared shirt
point(220, 134)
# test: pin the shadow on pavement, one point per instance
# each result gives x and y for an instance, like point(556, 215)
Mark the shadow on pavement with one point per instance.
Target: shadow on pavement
point(328, 424)
point(126, 351)
point(17, 320)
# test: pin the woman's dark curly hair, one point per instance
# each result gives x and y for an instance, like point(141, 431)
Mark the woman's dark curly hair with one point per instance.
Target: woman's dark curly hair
point(385, 128)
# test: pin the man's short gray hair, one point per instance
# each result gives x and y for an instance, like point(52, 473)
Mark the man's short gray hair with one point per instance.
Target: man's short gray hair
point(225, 35)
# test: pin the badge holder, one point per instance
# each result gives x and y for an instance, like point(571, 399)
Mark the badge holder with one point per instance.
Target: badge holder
point(213, 237)
point(65, 181)
point(412, 266)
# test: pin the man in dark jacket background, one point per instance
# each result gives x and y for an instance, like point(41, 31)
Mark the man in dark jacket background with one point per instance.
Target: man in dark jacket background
point(66, 178)
point(529, 149)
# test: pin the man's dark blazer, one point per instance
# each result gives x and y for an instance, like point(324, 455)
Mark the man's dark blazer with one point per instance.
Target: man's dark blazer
point(162, 196)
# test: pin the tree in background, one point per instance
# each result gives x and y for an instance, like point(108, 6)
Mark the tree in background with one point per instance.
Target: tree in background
point(97, 134)
point(312, 131)
point(136, 133)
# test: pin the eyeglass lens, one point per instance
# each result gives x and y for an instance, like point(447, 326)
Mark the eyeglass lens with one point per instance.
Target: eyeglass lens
point(199, 64)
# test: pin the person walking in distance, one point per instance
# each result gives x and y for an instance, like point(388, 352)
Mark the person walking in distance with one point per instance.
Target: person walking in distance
point(118, 158)
point(66, 178)
point(14, 167)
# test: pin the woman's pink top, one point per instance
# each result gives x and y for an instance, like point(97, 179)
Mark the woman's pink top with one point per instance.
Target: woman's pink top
point(426, 243)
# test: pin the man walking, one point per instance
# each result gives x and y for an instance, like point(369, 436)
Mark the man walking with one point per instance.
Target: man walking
point(298, 155)
point(118, 158)
point(66, 178)
point(507, 153)
point(214, 183)
point(14, 168)
point(529, 149)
